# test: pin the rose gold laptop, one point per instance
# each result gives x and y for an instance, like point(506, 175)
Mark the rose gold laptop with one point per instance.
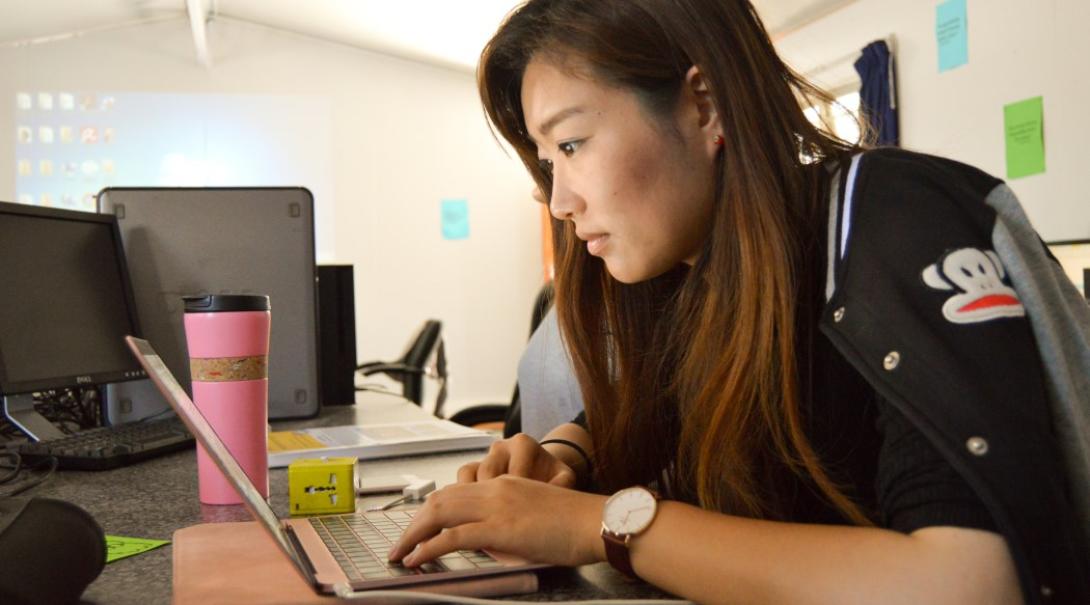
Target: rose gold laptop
point(335, 552)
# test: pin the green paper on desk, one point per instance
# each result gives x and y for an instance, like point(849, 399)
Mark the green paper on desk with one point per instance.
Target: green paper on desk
point(119, 547)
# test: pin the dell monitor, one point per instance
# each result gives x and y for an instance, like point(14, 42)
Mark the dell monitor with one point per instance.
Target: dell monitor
point(65, 308)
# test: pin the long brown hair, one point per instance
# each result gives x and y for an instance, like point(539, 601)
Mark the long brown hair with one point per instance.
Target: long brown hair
point(693, 372)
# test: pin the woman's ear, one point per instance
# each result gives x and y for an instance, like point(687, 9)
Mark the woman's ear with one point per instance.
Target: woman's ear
point(696, 96)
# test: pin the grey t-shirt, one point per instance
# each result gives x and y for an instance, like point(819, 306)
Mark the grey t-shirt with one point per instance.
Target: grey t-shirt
point(548, 389)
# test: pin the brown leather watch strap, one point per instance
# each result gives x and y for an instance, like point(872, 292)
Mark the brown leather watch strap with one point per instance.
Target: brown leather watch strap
point(617, 553)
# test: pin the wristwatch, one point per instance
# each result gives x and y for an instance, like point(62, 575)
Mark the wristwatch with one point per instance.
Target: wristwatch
point(626, 514)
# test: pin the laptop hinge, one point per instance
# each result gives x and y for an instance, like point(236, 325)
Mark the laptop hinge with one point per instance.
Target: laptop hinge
point(297, 546)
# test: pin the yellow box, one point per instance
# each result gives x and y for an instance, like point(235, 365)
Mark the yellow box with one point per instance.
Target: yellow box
point(322, 486)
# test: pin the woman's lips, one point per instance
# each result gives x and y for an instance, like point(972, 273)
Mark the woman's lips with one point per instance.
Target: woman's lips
point(596, 243)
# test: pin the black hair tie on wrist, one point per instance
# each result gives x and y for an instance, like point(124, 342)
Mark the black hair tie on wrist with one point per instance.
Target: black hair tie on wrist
point(574, 446)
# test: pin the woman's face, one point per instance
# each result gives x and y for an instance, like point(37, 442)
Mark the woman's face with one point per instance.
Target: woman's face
point(639, 189)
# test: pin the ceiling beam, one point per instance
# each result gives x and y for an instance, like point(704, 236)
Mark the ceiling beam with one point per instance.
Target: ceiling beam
point(199, 13)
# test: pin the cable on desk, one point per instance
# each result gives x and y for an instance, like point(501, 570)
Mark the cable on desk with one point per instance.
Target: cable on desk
point(16, 468)
point(344, 592)
point(168, 410)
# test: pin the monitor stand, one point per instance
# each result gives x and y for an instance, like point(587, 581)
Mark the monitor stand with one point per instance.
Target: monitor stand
point(19, 410)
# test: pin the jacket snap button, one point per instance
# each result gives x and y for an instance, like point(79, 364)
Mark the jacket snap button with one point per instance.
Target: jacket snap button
point(891, 360)
point(977, 446)
point(1046, 592)
point(838, 314)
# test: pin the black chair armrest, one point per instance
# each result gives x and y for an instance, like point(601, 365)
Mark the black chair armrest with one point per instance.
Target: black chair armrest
point(479, 414)
point(368, 369)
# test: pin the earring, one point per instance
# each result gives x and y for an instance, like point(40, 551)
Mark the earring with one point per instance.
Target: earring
point(718, 140)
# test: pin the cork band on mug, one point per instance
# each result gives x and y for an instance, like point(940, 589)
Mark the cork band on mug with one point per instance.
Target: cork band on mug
point(224, 369)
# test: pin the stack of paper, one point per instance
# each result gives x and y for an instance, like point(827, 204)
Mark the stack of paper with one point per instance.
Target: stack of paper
point(369, 441)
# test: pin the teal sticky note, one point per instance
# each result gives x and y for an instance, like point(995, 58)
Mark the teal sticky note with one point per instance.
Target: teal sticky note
point(455, 219)
point(952, 34)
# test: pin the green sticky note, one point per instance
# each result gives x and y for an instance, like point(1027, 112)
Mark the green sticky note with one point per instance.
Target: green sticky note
point(119, 547)
point(1024, 123)
point(952, 34)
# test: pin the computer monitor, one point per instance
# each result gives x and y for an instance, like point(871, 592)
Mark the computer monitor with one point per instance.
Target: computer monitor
point(1074, 257)
point(65, 310)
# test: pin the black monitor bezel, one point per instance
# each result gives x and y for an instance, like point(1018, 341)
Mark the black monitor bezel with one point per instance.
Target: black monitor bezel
point(135, 372)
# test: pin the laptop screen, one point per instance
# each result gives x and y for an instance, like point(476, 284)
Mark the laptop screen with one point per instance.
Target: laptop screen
point(208, 438)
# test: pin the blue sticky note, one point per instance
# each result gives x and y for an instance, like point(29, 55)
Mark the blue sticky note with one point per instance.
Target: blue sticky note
point(455, 219)
point(952, 34)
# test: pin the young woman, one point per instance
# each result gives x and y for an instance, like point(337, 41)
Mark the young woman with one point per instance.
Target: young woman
point(807, 374)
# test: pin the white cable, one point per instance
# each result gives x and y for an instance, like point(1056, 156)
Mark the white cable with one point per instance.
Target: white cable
point(415, 491)
point(419, 488)
point(344, 592)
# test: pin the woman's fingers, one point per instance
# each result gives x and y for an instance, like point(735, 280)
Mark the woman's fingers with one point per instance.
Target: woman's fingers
point(518, 456)
point(520, 516)
point(525, 455)
point(564, 476)
point(495, 463)
point(471, 536)
point(453, 505)
point(468, 472)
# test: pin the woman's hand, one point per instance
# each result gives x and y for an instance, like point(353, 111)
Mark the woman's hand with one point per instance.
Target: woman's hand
point(532, 519)
point(520, 456)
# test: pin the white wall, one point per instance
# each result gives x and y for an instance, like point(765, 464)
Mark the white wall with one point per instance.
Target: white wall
point(1017, 49)
point(405, 135)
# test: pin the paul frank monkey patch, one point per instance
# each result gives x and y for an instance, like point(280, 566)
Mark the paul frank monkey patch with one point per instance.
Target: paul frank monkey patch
point(977, 282)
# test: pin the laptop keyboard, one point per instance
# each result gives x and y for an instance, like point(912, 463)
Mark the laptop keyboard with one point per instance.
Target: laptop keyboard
point(361, 543)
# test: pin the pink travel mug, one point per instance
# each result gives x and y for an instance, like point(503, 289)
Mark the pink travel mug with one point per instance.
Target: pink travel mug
point(228, 341)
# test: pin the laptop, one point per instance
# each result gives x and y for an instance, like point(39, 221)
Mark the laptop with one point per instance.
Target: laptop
point(332, 551)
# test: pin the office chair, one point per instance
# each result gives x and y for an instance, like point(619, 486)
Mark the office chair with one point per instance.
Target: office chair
point(411, 369)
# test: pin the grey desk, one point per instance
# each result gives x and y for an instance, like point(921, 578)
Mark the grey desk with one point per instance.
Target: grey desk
point(154, 498)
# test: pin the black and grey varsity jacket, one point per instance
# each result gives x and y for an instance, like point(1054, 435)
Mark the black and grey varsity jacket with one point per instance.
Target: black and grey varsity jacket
point(943, 297)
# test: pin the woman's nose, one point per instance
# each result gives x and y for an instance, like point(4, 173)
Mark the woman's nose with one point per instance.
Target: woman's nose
point(564, 204)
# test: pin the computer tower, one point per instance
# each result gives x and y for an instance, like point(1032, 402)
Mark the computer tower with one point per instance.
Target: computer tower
point(336, 335)
point(230, 240)
point(131, 401)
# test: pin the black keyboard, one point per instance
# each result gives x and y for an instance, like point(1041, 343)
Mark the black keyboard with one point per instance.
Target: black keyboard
point(111, 446)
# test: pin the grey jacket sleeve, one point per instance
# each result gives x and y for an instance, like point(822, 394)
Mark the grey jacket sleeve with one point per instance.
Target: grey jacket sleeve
point(1060, 318)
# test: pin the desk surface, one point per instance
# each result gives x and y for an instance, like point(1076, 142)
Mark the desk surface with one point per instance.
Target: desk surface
point(154, 498)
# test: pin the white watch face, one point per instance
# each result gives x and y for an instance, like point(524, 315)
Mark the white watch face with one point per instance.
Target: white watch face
point(629, 511)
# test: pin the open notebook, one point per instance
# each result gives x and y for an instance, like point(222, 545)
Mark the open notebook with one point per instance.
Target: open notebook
point(330, 552)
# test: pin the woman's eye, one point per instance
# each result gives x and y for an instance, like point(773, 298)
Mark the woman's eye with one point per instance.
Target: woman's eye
point(546, 166)
point(569, 147)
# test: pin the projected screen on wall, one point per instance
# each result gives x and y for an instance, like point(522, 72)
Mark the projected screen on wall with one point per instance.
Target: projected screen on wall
point(69, 145)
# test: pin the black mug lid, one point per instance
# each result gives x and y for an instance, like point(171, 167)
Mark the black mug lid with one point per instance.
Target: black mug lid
point(212, 303)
